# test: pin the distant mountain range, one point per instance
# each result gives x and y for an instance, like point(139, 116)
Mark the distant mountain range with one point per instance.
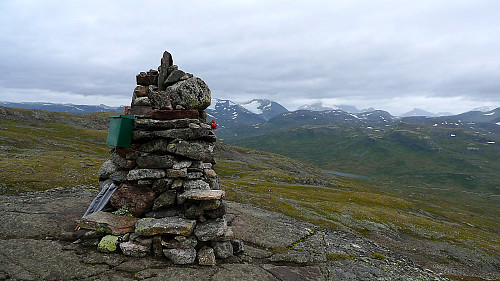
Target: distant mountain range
point(256, 111)
point(71, 108)
point(318, 106)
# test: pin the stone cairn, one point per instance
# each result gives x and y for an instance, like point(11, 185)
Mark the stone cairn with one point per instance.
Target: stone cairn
point(168, 201)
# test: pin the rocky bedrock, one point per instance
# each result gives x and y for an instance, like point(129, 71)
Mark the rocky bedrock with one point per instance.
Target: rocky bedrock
point(37, 242)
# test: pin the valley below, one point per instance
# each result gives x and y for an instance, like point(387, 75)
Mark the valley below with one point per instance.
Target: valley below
point(442, 219)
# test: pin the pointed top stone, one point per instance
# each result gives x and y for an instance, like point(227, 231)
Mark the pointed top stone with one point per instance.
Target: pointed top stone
point(166, 62)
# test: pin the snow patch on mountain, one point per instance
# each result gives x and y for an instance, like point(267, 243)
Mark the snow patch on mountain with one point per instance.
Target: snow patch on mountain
point(253, 106)
point(485, 108)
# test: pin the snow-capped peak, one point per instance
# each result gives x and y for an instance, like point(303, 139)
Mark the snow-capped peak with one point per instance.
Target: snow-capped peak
point(485, 108)
point(254, 106)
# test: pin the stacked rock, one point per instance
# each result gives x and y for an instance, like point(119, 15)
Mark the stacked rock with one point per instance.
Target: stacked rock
point(168, 200)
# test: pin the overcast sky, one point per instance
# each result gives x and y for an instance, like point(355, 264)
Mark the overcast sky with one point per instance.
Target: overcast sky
point(438, 55)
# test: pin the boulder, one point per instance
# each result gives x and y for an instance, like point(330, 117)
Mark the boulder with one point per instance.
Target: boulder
point(182, 164)
point(168, 225)
point(147, 78)
point(172, 114)
point(138, 199)
point(181, 256)
point(118, 160)
point(166, 199)
point(153, 124)
point(223, 250)
point(155, 161)
point(138, 174)
point(206, 256)
point(181, 173)
point(180, 242)
point(107, 169)
point(191, 93)
point(108, 244)
point(108, 223)
point(217, 213)
point(157, 146)
point(133, 249)
point(141, 91)
point(141, 101)
point(210, 229)
point(160, 100)
point(161, 185)
point(203, 194)
point(192, 149)
point(173, 77)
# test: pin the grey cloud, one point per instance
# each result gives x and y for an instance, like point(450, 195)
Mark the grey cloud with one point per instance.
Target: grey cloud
point(344, 50)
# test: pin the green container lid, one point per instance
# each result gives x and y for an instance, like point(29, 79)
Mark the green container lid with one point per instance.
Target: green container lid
point(120, 130)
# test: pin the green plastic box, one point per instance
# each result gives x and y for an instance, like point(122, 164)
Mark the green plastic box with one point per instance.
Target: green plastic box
point(120, 130)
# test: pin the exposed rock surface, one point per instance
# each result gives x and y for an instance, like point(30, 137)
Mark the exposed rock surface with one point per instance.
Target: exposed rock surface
point(295, 250)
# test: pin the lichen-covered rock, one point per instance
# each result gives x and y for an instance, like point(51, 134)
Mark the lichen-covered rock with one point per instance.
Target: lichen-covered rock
point(168, 225)
point(159, 100)
point(154, 124)
point(108, 244)
point(166, 199)
point(206, 256)
point(156, 146)
point(138, 174)
point(192, 149)
point(195, 184)
point(133, 249)
point(107, 169)
point(141, 101)
point(155, 161)
point(191, 93)
point(210, 229)
point(138, 199)
point(227, 236)
point(210, 204)
point(180, 242)
point(203, 194)
point(182, 164)
point(181, 256)
point(118, 160)
point(223, 250)
point(161, 185)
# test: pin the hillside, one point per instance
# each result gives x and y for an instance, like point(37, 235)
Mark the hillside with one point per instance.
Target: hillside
point(456, 237)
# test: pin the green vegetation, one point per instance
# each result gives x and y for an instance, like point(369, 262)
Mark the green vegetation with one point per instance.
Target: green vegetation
point(40, 155)
point(408, 155)
point(341, 257)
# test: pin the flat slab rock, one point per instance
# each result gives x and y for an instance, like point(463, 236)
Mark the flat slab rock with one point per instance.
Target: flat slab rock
point(168, 225)
point(202, 194)
point(109, 223)
point(300, 250)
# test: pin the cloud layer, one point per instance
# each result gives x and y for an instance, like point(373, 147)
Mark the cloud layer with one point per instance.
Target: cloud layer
point(393, 55)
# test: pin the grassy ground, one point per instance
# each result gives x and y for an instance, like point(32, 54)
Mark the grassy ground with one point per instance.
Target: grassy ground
point(40, 156)
point(458, 231)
